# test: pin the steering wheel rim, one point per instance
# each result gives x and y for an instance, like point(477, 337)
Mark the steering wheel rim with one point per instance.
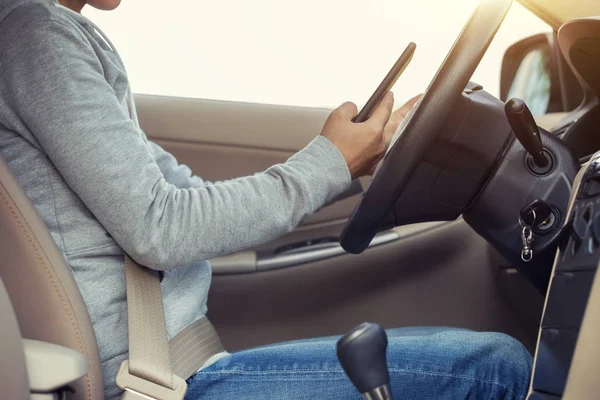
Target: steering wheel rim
point(419, 130)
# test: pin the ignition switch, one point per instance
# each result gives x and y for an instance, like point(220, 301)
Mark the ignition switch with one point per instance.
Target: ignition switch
point(540, 216)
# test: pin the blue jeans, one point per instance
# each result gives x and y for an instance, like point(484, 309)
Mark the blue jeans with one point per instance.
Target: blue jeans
point(424, 363)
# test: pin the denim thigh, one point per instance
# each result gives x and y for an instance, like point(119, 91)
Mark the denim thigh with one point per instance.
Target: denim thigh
point(424, 363)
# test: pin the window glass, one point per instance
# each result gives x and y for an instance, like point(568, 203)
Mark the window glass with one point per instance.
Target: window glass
point(532, 81)
point(311, 53)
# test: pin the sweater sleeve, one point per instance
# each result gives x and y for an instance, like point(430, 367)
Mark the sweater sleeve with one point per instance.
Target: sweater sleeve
point(54, 82)
point(179, 175)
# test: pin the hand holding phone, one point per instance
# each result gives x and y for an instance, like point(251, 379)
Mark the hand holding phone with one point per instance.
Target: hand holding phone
point(361, 144)
point(387, 83)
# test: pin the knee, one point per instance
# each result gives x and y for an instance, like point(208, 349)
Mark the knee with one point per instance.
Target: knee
point(505, 347)
point(461, 348)
point(499, 358)
point(491, 365)
point(504, 355)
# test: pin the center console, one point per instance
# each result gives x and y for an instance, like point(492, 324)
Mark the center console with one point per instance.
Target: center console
point(572, 278)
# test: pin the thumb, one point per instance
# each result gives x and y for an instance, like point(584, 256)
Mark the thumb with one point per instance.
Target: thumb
point(381, 115)
point(348, 110)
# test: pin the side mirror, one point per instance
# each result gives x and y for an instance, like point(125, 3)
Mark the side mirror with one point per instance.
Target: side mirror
point(530, 72)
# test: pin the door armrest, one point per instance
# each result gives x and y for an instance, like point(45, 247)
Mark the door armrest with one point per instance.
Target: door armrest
point(51, 367)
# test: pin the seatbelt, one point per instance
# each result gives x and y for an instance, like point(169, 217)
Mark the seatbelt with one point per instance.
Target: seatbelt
point(157, 368)
point(192, 347)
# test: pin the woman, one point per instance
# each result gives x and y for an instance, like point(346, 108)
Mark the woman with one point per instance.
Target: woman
point(69, 132)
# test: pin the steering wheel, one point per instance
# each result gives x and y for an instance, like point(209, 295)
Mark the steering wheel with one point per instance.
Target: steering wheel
point(421, 126)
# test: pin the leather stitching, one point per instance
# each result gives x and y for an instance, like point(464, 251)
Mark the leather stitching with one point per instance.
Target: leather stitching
point(72, 317)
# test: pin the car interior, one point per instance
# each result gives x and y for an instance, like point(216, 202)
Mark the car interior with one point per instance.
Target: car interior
point(478, 217)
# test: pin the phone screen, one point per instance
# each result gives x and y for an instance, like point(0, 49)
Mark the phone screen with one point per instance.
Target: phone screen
point(387, 83)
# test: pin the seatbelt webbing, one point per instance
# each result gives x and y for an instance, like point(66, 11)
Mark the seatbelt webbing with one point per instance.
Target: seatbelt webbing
point(162, 364)
point(193, 346)
point(148, 345)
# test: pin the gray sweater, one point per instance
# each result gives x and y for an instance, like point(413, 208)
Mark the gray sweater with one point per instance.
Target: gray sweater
point(102, 188)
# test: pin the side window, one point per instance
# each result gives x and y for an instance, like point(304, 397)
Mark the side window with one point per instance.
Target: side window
point(310, 53)
point(532, 81)
point(520, 23)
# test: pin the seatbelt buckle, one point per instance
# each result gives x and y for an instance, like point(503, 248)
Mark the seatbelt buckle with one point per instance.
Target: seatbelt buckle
point(144, 389)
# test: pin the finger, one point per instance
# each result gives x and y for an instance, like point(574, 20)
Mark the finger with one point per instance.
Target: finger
point(412, 101)
point(381, 114)
point(348, 110)
point(406, 107)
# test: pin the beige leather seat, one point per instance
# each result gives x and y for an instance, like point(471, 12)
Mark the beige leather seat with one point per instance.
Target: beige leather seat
point(44, 296)
point(13, 370)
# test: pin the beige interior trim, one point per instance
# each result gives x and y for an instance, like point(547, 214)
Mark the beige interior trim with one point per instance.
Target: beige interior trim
point(575, 188)
point(239, 263)
point(248, 262)
point(550, 120)
point(583, 382)
point(51, 367)
point(261, 126)
point(13, 371)
point(557, 12)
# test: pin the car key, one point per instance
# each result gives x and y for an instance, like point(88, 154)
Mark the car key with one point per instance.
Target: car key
point(526, 239)
point(527, 236)
point(536, 213)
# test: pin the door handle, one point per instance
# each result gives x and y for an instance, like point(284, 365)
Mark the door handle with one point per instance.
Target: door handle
point(315, 252)
point(248, 261)
point(238, 263)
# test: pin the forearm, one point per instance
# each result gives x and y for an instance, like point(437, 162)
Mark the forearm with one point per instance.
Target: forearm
point(182, 226)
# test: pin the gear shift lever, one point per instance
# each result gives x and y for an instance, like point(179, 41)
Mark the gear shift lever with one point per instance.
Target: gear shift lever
point(361, 353)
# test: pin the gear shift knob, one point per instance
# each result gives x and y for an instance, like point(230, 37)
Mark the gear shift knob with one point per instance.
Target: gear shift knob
point(362, 354)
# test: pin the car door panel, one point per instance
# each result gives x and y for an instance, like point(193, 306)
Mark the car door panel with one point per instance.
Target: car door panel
point(302, 284)
point(438, 277)
point(259, 126)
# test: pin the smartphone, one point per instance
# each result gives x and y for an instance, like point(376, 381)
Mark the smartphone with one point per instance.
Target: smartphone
point(387, 83)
